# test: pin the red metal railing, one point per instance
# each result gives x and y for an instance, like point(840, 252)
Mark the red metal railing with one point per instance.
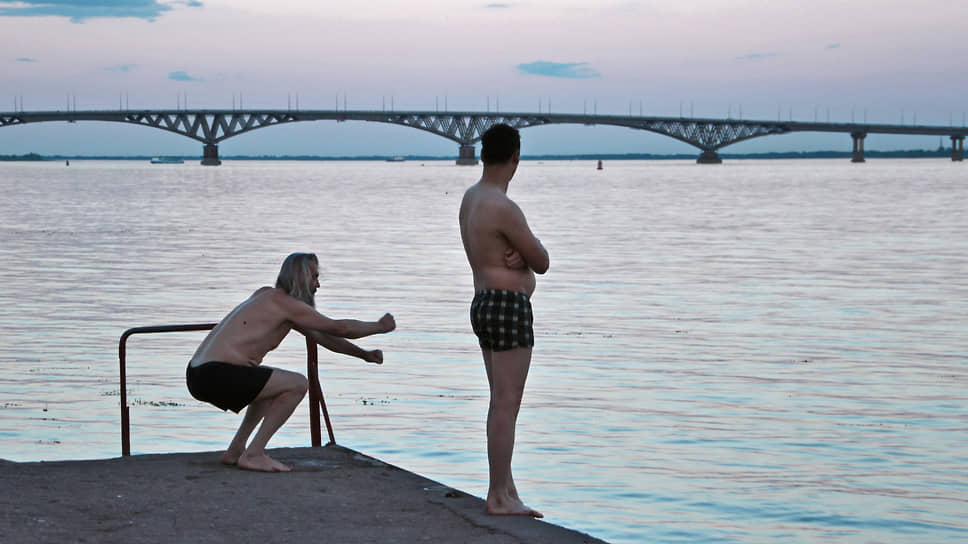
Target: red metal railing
point(316, 400)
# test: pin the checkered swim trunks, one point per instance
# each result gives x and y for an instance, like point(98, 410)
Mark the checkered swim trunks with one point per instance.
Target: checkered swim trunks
point(502, 319)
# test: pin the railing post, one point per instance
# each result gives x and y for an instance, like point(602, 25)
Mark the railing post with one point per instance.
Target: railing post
point(316, 399)
point(312, 372)
point(125, 421)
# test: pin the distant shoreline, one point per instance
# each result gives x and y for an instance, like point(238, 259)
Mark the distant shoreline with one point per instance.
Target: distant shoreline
point(897, 154)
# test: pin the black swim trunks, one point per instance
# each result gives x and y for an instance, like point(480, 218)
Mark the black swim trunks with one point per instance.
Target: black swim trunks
point(502, 319)
point(227, 386)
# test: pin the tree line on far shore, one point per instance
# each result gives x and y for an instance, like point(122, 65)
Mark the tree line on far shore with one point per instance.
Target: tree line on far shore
point(900, 153)
point(27, 157)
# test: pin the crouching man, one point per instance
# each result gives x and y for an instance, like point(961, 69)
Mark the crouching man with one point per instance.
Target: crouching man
point(227, 369)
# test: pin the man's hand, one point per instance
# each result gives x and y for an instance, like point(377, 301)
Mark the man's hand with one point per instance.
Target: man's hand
point(388, 323)
point(513, 259)
point(374, 356)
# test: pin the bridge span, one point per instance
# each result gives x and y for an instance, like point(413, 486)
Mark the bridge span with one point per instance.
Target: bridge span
point(212, 126)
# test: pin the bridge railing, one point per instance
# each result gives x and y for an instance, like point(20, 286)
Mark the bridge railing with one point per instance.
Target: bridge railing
point(316, 400)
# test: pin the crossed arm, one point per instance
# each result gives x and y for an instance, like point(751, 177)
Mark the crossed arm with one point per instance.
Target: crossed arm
point(526, 250)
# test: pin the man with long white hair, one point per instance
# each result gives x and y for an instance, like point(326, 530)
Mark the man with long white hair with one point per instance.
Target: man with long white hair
point(227, 369)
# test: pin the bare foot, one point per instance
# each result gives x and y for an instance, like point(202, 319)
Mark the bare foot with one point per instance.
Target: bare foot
point(261, 463)
point(280, 467)
point(231, 457)
point(510, 507)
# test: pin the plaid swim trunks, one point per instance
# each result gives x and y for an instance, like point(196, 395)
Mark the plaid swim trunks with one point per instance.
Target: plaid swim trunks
point(502, 319)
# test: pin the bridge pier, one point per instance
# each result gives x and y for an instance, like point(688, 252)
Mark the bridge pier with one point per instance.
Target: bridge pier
point(957, 148)
point(465, 155)
point(210, 155)
point(709, 157)
point(858, 155)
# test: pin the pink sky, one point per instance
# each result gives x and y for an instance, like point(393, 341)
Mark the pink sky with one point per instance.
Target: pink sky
point(892, 60)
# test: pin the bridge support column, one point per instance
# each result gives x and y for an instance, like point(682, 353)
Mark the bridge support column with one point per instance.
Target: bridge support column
point(210, 155)
point(709, 157)
point(465, 155)
point(858, 155)
point(957, 148)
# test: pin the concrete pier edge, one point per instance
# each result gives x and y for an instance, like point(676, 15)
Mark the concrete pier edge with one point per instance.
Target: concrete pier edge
point(334, 493)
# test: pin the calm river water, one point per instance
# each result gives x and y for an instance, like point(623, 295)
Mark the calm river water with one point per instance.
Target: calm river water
point(762, 351)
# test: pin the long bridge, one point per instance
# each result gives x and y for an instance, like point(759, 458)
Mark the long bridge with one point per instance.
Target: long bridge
point(212, 126)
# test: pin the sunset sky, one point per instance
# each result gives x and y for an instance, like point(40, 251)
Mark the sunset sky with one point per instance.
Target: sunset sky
point(891, 61)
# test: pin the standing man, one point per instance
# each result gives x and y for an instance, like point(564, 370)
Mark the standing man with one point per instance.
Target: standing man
point(226, 369)
point(504, 256)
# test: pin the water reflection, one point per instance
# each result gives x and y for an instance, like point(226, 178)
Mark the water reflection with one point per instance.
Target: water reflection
point(764, 352)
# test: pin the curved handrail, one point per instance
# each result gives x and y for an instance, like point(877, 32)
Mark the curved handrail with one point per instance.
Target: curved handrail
point(316, 400)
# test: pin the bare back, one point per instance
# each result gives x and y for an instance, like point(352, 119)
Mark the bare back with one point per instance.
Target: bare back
point(249, 332)
point(490, 225)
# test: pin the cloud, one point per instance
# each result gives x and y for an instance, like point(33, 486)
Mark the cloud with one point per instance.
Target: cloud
point(571, 70)
point(497, 5)
point(120, 68)
point(79, 10)
point(833, 46)
point(26, 59)
point(757, 56)
point(182, 76)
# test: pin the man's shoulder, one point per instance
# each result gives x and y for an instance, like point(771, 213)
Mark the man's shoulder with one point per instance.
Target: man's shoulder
point(281, 299)
point(264, 290)
point(268, 295)
point(481, 195)
point(275, 301)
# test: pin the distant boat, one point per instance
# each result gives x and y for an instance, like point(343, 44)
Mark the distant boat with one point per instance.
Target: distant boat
point(166, 160)
point(398, 158)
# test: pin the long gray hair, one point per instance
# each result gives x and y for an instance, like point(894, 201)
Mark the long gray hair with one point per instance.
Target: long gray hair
point(295, 277)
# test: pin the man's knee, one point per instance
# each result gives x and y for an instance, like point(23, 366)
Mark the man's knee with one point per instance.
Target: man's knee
point(506, 405)
point(300, 384)
point(294, 383)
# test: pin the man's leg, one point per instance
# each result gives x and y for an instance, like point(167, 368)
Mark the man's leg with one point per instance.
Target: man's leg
point(273, 406)
point(253, 415)
point(506, 374)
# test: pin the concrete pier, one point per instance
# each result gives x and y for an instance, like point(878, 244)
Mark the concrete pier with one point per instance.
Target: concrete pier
point(210, 155)
point(709, 157)
point(858, 155)
point(333, 494)
point(465, 155)
point(957, 148)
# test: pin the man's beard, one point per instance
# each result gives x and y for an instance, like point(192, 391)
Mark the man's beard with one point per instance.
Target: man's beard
point(305, 295)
